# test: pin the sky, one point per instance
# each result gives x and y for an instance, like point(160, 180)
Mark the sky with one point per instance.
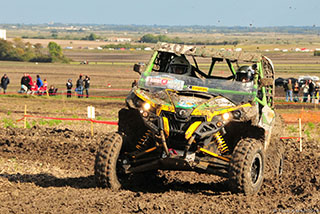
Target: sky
point(164, 12)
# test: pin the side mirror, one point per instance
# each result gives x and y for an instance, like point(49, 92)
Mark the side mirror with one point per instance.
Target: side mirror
point(138, 67)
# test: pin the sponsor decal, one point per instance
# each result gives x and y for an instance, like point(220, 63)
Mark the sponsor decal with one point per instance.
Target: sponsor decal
point(164, 82)
point(198, 88)
point(185, 104)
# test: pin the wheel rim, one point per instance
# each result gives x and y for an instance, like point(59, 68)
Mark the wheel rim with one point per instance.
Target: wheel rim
point(120, 171)
point(256, 168)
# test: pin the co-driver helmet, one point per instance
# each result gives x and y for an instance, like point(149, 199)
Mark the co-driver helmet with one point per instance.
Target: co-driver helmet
point(180, 65)
point(244, 74)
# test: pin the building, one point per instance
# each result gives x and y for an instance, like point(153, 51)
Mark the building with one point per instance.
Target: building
point(3, 34)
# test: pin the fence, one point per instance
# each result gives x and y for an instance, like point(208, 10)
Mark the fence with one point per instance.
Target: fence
point(298, 138)
point(92, 121)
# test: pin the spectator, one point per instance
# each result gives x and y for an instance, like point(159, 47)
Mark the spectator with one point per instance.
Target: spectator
point(30, 81)
point(79, 86)
point(134, 83)
point(39, 82)
point(34, 88)
point(4, 82)
point(69, 87)
point(288, 89)
point(305, 90)
point(311, 90)
point(316, 92)
point(52, 91)
point(44, 88)
point(296, 89)
point(25, 81)
point(87, 85)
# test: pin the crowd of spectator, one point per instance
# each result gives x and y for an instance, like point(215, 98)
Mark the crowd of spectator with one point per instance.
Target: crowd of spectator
point(310, 91)
point(29, 86)
point(82, 85)
point(40, 87)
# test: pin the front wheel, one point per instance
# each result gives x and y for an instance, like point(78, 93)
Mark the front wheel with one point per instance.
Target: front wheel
point(246, 169)
point(108, 168)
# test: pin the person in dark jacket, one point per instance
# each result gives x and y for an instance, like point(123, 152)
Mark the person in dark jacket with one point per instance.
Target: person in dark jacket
point(134, 83)
point(4, 82)
point(87, 85)
point(79, 86)
point(52, 91)
point(311, 90)
point(69, 87)
point(25, 81)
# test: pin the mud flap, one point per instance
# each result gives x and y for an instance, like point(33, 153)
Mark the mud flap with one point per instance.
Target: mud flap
point(267, 122)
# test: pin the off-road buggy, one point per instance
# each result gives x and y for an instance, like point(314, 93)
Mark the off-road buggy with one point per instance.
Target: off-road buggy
point(198, 120)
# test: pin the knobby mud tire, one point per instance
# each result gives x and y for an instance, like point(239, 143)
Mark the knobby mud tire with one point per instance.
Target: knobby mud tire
point(105, 168)
point(247, 162)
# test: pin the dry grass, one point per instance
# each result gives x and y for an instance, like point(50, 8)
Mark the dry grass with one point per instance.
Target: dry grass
point(119, 76)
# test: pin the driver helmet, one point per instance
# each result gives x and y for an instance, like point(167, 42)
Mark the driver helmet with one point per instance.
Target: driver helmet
point(245, 74)
point(180, 65)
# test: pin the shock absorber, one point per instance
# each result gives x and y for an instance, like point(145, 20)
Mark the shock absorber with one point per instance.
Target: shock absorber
point(143, 140)
point(222, 146)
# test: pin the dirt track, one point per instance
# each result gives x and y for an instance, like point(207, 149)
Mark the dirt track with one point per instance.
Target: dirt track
point(48, 170)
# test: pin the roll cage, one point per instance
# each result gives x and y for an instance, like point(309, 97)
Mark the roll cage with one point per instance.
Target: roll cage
point(263, 81)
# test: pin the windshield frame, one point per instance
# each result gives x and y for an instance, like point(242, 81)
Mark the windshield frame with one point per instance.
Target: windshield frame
point(235, 91)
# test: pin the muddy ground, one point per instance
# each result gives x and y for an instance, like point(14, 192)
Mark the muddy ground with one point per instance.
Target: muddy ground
point(50, 170)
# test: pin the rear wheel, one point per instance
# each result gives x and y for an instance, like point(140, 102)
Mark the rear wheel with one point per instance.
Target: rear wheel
point(246, 168)
point(108, 168)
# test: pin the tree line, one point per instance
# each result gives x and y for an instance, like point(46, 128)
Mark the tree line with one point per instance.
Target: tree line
point(26, 52)
point(149, 38)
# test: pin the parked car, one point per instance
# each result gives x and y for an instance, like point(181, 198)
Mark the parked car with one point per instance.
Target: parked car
point(302, 79)
point(279, 82)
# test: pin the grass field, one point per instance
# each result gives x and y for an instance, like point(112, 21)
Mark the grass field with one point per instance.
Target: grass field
point(115, 68)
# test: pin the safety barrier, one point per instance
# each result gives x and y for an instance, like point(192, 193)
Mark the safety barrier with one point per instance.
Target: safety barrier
point(79, 119)
point(116, 123)
point(92, 121)
point(64, 94)
point(299, 139)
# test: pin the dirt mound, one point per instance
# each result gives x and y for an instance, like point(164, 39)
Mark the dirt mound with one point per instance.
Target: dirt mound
point(61, 147)
point(305, 116)
point(47, 170)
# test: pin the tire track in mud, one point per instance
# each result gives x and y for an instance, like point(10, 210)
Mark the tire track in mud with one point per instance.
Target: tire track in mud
point(51, 170)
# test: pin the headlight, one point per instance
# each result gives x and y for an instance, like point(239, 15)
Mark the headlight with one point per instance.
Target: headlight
point(226, 116)
point(146, 106)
